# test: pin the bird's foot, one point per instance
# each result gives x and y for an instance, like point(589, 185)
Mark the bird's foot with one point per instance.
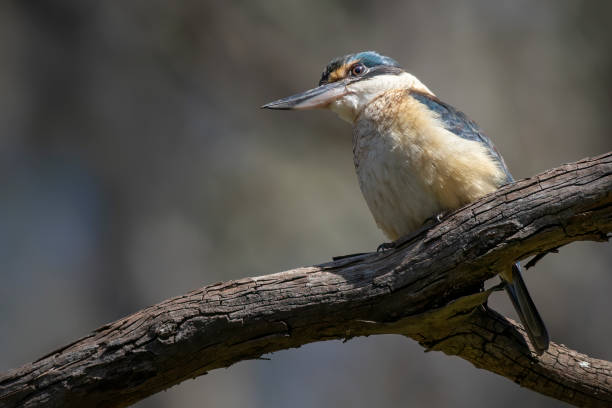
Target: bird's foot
point(435, 219)
point(385, 246)
point(427, 224)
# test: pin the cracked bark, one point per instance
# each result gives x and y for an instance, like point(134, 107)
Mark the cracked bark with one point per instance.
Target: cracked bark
point(427, 289)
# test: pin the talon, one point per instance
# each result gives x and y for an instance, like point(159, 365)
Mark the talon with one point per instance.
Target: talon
point(385, 246)
point(440, 216)
point(435, 219)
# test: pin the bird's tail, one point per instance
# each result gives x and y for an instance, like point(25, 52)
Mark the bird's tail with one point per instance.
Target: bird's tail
point(526, 310)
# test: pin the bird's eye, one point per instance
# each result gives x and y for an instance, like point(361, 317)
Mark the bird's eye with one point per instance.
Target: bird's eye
point(358, 69)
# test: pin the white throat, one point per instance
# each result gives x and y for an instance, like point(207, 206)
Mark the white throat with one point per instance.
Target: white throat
point(361, 93)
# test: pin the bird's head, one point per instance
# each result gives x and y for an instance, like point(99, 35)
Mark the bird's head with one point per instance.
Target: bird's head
point(350, 83)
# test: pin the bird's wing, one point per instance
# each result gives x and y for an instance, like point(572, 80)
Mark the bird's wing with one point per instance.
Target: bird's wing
point(458, 123)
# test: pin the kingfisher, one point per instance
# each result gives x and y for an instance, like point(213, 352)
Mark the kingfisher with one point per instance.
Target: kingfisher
point(416, 157)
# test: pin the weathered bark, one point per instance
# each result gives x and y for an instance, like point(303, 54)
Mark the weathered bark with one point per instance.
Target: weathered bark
point(428, 289)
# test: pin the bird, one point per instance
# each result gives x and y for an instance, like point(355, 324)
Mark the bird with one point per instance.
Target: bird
point(416, 157)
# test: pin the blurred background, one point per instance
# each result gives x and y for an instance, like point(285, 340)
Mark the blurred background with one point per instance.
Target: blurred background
point(136, 165)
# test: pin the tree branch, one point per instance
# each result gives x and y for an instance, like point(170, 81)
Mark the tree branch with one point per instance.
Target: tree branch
point(428, 289)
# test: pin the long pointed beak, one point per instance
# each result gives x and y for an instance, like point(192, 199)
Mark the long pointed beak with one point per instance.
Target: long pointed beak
point(319, 97)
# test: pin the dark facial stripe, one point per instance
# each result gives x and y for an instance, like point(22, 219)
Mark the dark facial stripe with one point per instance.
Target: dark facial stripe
point(379, 70)
point(331, 67)
point(370, 73)
point(338, 68)
point(339, 73)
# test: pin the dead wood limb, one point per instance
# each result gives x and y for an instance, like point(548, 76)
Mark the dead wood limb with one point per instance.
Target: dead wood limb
point(428, 289)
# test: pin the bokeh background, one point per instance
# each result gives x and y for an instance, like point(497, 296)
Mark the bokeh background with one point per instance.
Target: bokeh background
point(136, 165)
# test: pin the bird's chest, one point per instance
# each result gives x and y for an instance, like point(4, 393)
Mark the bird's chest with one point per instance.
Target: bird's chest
point(391, 180)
